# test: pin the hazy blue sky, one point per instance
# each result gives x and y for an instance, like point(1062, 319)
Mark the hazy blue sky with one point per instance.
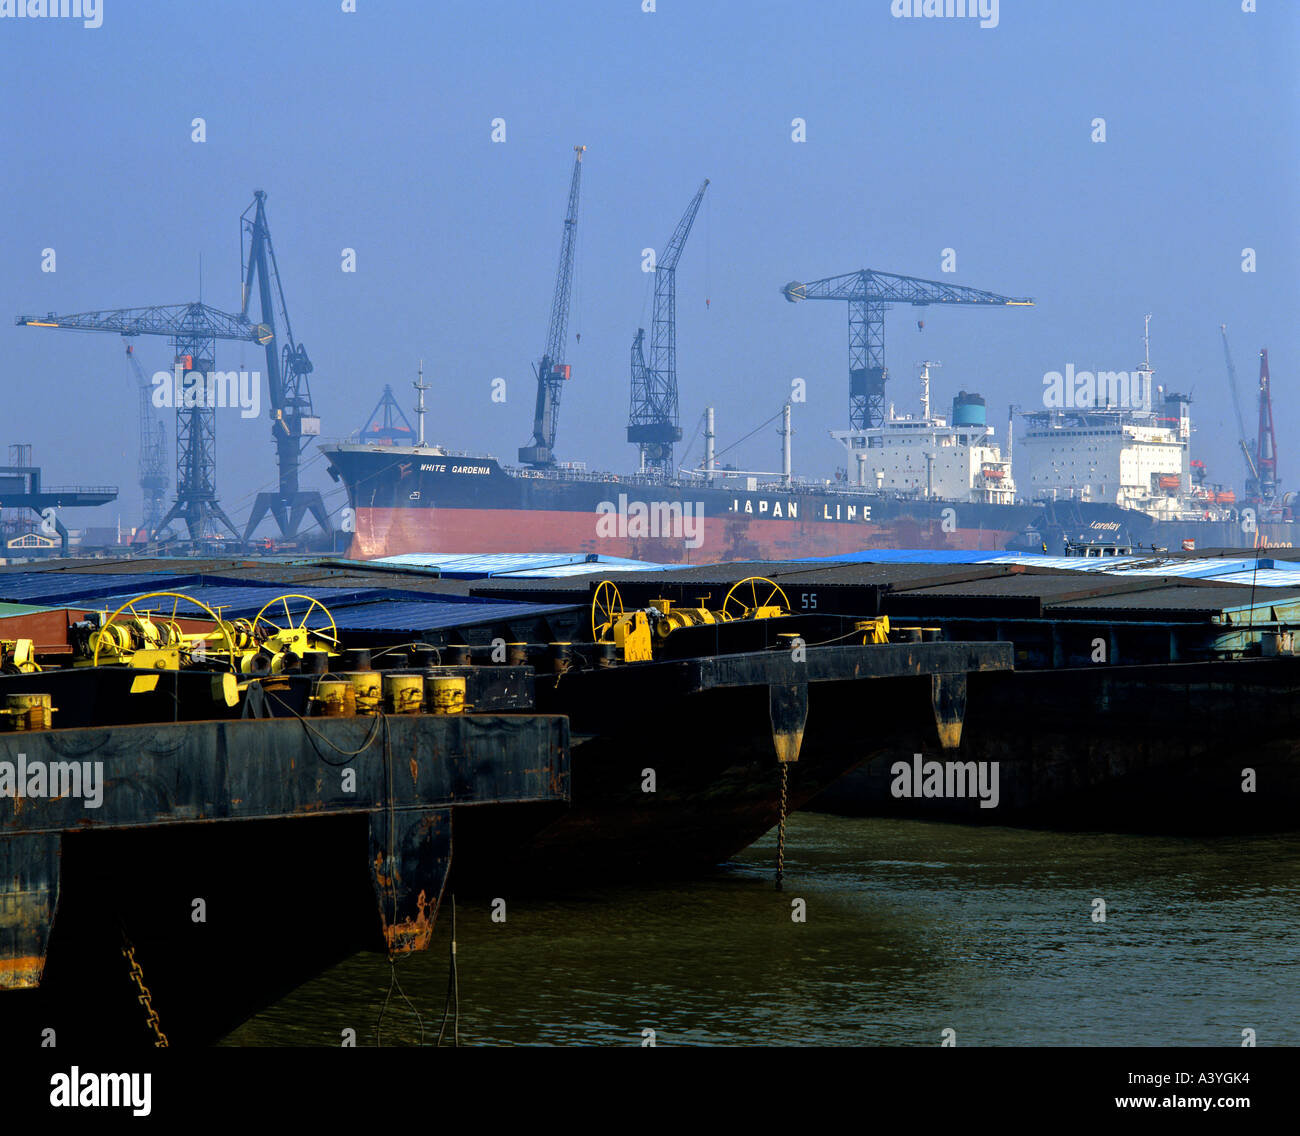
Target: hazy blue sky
point(372, 130)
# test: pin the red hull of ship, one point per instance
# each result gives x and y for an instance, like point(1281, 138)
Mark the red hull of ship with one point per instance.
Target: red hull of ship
point(393, 532)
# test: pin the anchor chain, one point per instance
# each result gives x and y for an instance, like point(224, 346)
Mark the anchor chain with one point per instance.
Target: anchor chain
point(145, 998)
point(780, 828)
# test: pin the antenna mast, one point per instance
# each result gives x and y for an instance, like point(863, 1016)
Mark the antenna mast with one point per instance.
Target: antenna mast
point(421, 386)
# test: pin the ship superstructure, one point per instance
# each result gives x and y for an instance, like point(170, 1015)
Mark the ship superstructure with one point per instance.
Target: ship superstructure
point(932, 456)
point(1117, 438)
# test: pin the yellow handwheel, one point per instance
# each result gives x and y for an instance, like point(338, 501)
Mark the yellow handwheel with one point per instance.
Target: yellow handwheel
point(171, 624)
point(759, 591)
point(315, 625)
point(606, 607)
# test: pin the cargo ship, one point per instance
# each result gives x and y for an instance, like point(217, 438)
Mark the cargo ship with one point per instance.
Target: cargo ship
point(933, 485)
point(1116, 469)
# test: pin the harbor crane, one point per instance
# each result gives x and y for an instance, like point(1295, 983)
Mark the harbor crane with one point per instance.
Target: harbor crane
point(152, 462)
point(868, 293)
point(653, 420)
point(552, 371)
point(1256, 490)
point(293, 421)
point(193, 330)
point(1252, 473)
point(1266, 442)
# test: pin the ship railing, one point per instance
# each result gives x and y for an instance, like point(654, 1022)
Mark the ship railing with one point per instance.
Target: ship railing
point(441, 451)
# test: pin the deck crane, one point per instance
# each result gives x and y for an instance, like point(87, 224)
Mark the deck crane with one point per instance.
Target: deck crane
point(293, 421)
point(193, 330)
point(552, 371)
point(867, 293)
point(152, 464)
point(653, 422)
point(1252, 472)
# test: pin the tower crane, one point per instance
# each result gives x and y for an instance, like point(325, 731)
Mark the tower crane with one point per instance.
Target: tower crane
point(868, 293)
point(193, 330)
point(293, 421)
point(552, 371)
point(653, 422)
point(152, 465)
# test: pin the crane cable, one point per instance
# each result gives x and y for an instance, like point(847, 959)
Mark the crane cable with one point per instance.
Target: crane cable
point(708, 250)
point(695, 437)
point(754, 431)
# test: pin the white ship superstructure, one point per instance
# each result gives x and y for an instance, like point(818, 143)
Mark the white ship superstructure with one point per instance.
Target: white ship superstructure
point(1123, 444)
point(931, 457)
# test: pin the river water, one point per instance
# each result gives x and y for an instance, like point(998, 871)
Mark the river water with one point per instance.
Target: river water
point(912, 928)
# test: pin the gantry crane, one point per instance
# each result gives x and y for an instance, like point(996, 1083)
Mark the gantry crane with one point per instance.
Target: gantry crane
point(653, 423)
point(552, 371)
point(193, 330)
point(293, 421)
point(152, 465)
point(867, 293)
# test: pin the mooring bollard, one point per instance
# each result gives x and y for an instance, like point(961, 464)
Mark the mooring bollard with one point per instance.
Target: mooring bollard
point(446, 694)
point(335, 698)
point(403, 693)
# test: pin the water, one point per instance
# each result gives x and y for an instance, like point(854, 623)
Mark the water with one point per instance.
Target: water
point(912, 928)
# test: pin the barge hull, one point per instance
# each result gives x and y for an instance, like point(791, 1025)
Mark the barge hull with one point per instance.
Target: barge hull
point(1189, 748)
point(237, 857)
point(675, 764)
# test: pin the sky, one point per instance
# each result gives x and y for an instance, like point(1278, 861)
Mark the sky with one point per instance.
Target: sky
point(372, 130)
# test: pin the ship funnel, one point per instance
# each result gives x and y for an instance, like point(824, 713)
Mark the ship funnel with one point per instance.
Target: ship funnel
point(969, 410)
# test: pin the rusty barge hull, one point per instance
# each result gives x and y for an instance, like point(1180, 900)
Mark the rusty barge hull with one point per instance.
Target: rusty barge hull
point(239, 858)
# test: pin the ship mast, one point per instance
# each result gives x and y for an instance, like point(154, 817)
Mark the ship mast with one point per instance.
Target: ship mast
point(925, 387)
point(421, 386)
point(1144, 393)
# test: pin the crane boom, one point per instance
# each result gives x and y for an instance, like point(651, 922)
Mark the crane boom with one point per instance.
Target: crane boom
point(653, 419)
point(867, 292)
point(166, 319)
point(677, 242)
point(1252, 473)
point(552, 372)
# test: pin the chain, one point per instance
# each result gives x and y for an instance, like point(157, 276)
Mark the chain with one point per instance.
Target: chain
point(145, 999)
point(780, 828)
